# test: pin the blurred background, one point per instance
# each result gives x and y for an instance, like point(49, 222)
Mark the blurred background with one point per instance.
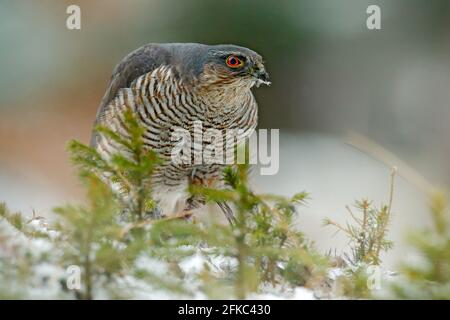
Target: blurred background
point(332, 79)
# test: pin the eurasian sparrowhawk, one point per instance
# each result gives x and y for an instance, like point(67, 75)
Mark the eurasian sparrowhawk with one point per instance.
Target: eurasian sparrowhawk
point(174, 85)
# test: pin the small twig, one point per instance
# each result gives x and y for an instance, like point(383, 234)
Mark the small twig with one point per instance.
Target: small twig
point(391, 191)
point(141, 224)
point(353, 216)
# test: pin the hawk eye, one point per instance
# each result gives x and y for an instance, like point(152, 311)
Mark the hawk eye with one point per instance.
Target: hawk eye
point(234, 62)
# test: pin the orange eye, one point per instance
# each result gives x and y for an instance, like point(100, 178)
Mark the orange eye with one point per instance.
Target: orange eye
point(234, 62)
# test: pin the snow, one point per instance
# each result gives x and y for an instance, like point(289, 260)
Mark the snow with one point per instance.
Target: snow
point(302, 293)
point(334, 273)
point(48, 275)
point(151, 264)
point(193, 264)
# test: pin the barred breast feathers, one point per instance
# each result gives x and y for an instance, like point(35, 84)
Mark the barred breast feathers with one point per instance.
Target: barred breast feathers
point(161, 100)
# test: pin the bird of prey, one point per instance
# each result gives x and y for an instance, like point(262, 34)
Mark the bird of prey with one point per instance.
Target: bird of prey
point(175, 85)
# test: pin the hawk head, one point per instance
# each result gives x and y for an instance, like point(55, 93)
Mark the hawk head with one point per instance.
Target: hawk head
point(219, 66)
point(230, 64)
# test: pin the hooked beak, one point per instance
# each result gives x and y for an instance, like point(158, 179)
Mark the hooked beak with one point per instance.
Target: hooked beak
point(261, 76)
